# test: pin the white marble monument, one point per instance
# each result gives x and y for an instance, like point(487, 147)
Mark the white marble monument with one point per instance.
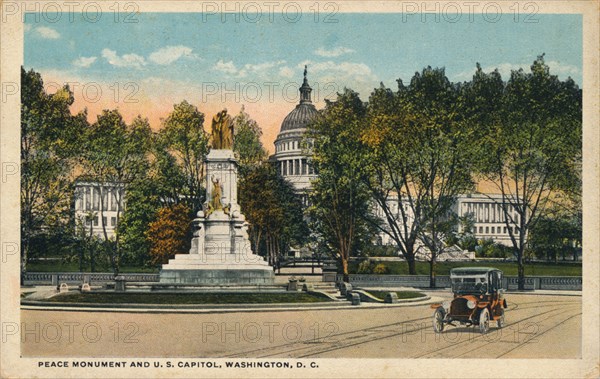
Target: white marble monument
point(221, 253)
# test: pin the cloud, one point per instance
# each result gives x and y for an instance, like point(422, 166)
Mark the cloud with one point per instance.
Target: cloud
point(340, 71)
point(257, 69)
point(286, 72)
point(563, 69)
point(84, 61)
point(125, 60)
point(26, 27)
point(47, 33)
point(226, 67)
point(335, 52)
point(170, 54)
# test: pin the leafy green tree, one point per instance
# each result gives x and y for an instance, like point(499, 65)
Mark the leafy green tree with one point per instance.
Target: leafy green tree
point(419, 161)
point(181, 148)
point(246, 143)
point(114, 155)
point(339, 200)
point(273, 210)
point(143, 203)
point(556, 234)
point(49, 145)
point(532, 139)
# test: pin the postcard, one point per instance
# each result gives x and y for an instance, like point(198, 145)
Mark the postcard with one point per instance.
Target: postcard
point(299, 189)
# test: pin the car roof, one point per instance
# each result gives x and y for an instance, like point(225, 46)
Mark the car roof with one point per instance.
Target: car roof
point(472, 270)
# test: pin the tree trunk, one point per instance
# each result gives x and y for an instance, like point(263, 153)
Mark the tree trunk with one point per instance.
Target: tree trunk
point(80, 258)
point(432, 273)
point(412, 268)
point(92, 252)
point(23, 266)
point(345, 274)
point(521, 271)
point(26, 243)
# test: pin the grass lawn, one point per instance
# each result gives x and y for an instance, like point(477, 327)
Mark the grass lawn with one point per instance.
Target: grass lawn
point(58, 266)
point(509, 268)
point(401, 294)
point(189, 298)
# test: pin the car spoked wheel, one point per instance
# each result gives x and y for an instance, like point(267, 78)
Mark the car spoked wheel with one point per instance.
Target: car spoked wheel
point(484, 321)
point(438, 320)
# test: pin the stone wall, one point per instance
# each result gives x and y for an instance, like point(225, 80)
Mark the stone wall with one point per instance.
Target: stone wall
point(53, 278)
point(443, 281)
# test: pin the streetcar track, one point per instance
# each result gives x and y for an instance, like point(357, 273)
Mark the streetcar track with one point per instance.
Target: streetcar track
point(413, 330)
point(520, 344)
point(373, 328)
point(481, 336)
point(541, 334)
point(371, 334)
point(401, 333)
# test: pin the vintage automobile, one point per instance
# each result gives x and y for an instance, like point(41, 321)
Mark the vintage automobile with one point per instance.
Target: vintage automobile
point(478, 298)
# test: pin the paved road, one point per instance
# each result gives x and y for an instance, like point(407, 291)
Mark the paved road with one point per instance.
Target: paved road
point(536, 327)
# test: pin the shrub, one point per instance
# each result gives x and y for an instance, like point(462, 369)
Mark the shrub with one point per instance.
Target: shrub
point(170, 233)
point(365, 267)
point(380, 269)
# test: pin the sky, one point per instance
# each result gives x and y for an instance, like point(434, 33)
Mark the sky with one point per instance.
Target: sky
point(147, 66)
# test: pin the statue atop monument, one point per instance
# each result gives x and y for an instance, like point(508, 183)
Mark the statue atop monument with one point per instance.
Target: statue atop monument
point(222, 131)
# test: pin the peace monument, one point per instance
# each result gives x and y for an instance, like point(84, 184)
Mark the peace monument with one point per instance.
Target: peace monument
point(221, 253)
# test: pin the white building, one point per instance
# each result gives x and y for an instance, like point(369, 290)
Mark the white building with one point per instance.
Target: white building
point(487, 215)
point(98, 206)
point(291, 159)
point(484, 209)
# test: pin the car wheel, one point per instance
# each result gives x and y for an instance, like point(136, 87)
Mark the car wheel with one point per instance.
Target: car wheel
point(500, 321)
point(484, 321)
point(438, 320)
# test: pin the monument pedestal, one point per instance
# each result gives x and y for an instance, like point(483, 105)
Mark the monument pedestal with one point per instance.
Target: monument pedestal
point(221, 253)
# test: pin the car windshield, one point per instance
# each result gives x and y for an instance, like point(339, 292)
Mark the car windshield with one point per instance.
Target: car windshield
point(469, 285)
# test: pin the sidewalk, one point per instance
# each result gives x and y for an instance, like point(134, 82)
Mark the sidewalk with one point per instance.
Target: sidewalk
point(443, 291)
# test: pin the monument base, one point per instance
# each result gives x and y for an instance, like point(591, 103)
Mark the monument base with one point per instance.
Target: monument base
point(218, 277)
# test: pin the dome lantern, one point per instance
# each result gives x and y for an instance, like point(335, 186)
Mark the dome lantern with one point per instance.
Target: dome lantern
point(305, 90)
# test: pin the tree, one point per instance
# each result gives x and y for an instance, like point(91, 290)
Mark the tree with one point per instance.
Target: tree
point(143, 203)
point(532, 139)
point(49, 145)
point(170, 233)
point(181, 148)
point(114, 155)
point(556, 233)
point(420, 161)
point(273, 210)
point(248, 149)
point(339, 200)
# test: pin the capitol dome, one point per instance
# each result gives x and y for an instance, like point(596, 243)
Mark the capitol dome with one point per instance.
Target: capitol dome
point(299, 117)
point(292, 161)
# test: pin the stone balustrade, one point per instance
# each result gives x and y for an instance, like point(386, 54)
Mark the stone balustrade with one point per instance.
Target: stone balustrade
point(567, 283)
point(52, 278)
